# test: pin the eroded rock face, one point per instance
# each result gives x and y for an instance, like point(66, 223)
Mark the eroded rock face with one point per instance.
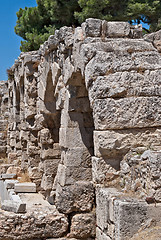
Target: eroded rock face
point(93, 91)
point(39, 224)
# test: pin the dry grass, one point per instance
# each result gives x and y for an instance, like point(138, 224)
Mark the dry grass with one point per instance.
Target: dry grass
point(4, 160)
point(152, 233)
point(24, 177)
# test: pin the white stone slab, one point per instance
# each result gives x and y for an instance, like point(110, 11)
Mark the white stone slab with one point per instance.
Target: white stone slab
point(25, 187)
point(12, 206)
point(7, 176)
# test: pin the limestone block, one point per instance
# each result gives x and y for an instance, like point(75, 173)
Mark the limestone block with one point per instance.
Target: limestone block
point(66, 34)
point(68, 70)
point(136, 31)
point(71, 119)
point(115, 143)
point(92, 27)
point(39, 122)
point(78, 35)
point(50, 166)
point(25, 187)
point(122, 84)
point(45, 136)
point(105, 173)
point(153, 36)
point(31, 57)
point(60, 98)
point(79, 104)
point(77, 157)
point(12, 196)
point(120, 61)
point(12, 206)
point(32, 150)
point(77, 197)
point(29, 70)
point(83, 225)
point(53, 41)
point(69, 175)
point(129, 215)
point(127, 113)
point(33, 171)
point(47, 182)
point(157, 44)
point(24, 135)
point(30, 111)
point(118, 29)
point(56, 71)
point(50, 153)
point(101, 235)
point(75, 138)
point(104, 210)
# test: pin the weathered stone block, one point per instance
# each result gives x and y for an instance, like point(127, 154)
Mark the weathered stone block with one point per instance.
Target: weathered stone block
point(69, 175)
point(105, 172)
point(126, 84)
point(120, 61)
point(92, 27)
point(75, 138)
point(77, 157)
point(50, 166)
point(83, 225)
point(118, 29)
point(11, 206)
point(101, 235)
point(114, 144)
point(129, 215)
point(127, 113)
point(50, 153)
point(104, 210)
point(47, 182)
point(77, 197)
point(71, 119)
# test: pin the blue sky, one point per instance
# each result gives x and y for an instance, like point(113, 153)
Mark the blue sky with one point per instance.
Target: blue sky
point(9, 41)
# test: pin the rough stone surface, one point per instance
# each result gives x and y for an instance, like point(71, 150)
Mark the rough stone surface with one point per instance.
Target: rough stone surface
point(79, 108)
point(76, 197)
point(83, 225)
point(38, 224)
point(3, 117)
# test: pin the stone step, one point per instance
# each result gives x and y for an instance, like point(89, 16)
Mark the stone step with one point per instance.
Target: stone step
point(26, 187)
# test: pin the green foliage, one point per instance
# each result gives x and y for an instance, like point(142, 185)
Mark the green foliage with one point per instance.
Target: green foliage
point(109, 10)
point(147, 11)
point(35, 24)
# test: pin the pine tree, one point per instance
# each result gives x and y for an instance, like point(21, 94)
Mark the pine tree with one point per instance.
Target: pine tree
point(35, 24)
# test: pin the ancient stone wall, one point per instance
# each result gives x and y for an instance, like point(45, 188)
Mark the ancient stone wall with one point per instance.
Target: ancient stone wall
point(3, 118)
point(82, 108)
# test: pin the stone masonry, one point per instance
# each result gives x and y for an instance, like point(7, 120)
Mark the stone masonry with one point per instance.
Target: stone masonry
point(85, 117)
point(3, 118)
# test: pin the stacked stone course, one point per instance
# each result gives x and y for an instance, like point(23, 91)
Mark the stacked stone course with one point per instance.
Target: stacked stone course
point(82, 103)
point(3, 118)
